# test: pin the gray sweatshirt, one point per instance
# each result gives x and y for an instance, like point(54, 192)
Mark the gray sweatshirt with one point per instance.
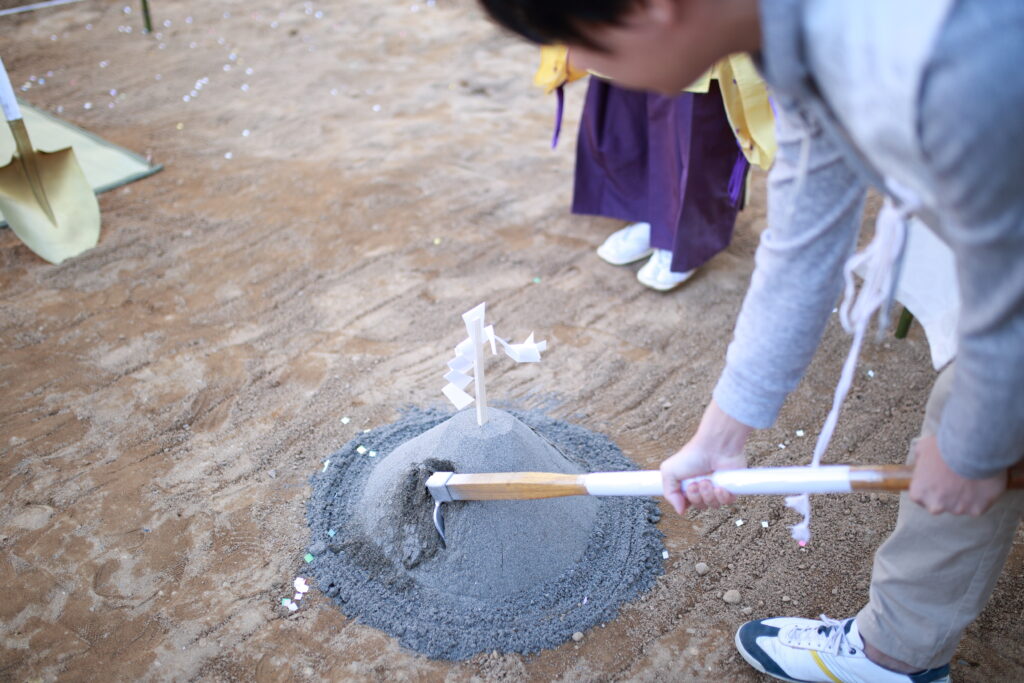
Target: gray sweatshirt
point(970, 131)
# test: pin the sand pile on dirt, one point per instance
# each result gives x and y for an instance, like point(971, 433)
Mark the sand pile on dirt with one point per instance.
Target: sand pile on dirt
point(516, 576)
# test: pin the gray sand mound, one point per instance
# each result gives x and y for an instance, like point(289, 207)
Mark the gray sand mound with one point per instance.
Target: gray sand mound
point(516, 576)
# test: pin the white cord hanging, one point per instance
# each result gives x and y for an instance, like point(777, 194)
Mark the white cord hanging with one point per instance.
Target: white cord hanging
point(880, 263)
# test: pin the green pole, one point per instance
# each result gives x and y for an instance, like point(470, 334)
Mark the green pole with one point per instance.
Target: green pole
point(146, 20)
point(903, 326)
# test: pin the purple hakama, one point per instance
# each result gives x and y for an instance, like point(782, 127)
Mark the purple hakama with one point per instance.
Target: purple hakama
point(670, 161)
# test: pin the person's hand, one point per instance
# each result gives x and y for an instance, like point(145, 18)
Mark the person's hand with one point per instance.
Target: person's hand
point(939, 489)
point(717, 445)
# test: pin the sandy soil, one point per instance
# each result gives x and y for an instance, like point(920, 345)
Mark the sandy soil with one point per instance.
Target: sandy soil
point(167, 395)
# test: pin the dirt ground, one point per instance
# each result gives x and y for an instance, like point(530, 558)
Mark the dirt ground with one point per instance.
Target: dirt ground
point(350, 178)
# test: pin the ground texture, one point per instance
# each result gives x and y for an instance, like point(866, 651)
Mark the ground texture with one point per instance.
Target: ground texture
point(344, 180)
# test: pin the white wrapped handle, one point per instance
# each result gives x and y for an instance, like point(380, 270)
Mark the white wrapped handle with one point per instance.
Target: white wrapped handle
point(784, 481)
point(9, 103)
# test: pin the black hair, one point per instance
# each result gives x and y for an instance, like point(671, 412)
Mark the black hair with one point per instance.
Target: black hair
point(556, 21)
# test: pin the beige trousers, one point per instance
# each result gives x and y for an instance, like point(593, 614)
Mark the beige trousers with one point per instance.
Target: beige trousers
point(934, 574)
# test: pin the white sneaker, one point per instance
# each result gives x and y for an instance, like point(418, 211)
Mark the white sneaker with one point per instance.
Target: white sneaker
point(657, 272)
point(813, 651)
point(632, 243)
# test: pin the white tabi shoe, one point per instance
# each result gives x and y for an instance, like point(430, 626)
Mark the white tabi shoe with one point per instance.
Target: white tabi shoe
point(632, 243)
point(657, 272)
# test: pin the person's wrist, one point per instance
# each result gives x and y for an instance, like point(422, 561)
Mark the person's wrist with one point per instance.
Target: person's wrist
point(722, 433)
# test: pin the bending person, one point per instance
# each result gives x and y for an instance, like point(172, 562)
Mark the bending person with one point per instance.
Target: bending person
point(915, 98)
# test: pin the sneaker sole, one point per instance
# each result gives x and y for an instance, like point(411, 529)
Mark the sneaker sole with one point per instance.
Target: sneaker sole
point(662, 287)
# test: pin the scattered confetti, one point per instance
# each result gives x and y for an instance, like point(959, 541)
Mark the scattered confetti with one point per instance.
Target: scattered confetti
point(180, 126)
point(871, 373)
point(331, 532)
point(228, 155)
point(740, 522)
point(289, 604)
point(366, 431)
point(376, 107)
point(536, 280)
point(361, 450)
point(87, 105)
point(308, 558)
point(300, 585)
point(345, 420)
point(782, 446)
point(664, 554)
point(327, 463)
point(372, 454)
point(246, 133)
point(764, 524)
point(437, 240)
point(799, 432)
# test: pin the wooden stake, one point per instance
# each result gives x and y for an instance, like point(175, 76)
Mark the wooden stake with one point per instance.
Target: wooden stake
point(476, 333)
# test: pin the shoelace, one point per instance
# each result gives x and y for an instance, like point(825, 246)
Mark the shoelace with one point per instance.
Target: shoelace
point(829, 637)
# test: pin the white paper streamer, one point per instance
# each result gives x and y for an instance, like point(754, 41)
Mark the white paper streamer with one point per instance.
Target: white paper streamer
point(467, 365)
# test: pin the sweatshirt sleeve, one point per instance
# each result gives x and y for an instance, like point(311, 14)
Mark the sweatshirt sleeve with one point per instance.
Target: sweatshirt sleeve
point(812, 229)
point(972, 135)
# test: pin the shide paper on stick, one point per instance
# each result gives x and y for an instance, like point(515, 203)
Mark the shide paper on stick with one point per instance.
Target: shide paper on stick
point(467, 365)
